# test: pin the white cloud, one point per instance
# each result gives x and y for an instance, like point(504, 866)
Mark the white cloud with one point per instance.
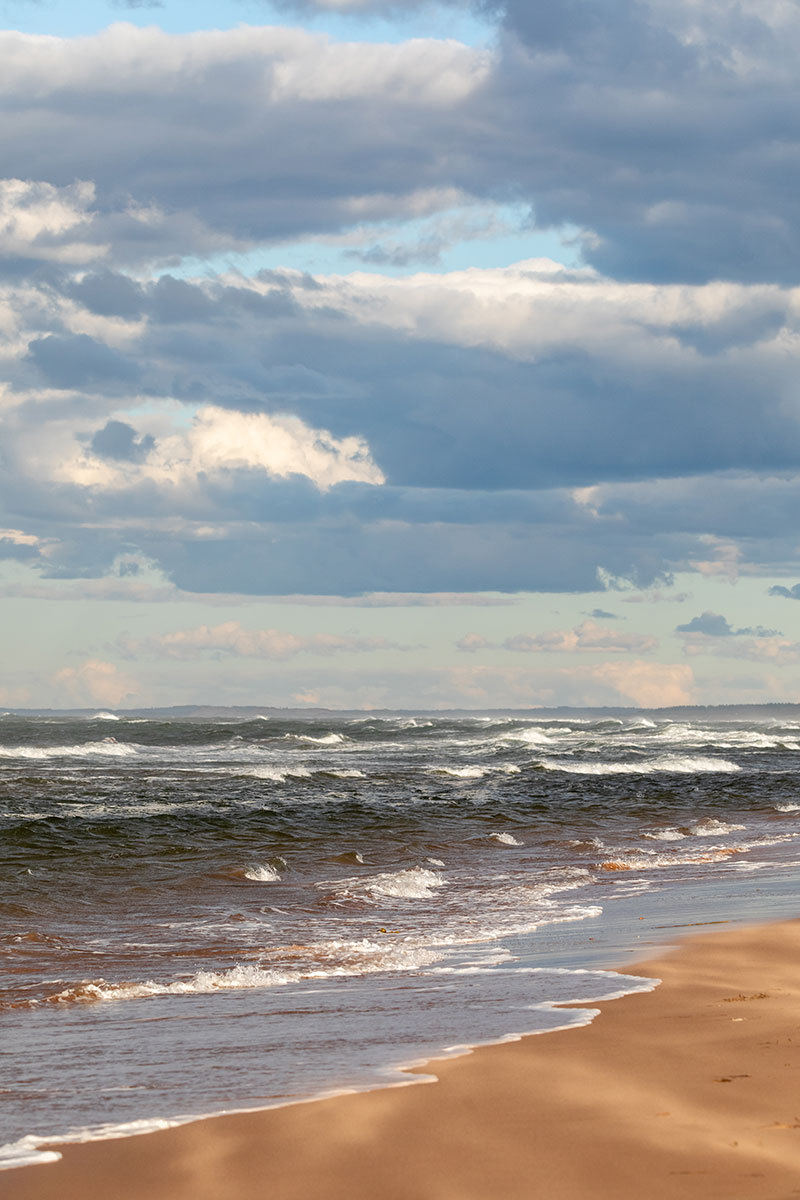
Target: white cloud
point(650, 685)
point(221, 440)
point(41, 221)
point(588, 637)
point(231, 638)
point(95, 682)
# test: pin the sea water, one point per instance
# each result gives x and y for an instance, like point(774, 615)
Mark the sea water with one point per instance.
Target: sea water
point(204, 915)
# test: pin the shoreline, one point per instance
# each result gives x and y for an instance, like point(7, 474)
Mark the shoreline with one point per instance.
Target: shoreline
point(690, 1090)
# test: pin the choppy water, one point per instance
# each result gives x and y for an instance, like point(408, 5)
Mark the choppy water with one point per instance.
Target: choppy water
point(206, 915)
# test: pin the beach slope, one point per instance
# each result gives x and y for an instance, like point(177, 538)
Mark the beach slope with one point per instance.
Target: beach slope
point(692, 1090)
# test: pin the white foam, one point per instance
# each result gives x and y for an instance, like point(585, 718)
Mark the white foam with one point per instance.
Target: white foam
point(242, 975)
point(674, 764)
point(460, 772)
point(711, 827)
point(276, 774)
point(412, 883)
point(475, 772)
point(329, 739)
point(528, 737)
point(665, 835)
point(26, 1153)
point(105, 716)
point(787, 807)
point(262, 874)
point(109, 749)
point(507, 839)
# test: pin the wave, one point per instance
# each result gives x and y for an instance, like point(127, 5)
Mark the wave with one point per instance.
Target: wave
point(321, 960)
point(787, 807)
point(711, 827)
point(475, 772)
point(104, 716)
point(507, 839)
point(275, 774)
point(528, 737)
point(666, 764)
point(638, 860)
point(689, 735)
point(262, 873)
point(706, 827)
point(328, 739)
point(411, 883)
point(106, 749)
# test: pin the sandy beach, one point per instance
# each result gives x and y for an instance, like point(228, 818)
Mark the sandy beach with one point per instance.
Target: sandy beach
point(690, 1090)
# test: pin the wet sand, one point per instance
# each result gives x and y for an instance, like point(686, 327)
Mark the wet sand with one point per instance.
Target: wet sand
point(692, 1090)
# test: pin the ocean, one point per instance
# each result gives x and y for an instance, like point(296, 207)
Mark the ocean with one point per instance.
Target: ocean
point(219, 913)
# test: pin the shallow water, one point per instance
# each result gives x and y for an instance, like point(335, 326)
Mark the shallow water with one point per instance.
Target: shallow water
point(201, 915)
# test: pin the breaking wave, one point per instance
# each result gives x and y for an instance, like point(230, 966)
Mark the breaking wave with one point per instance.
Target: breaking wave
point(672, 764)
point(105, 749)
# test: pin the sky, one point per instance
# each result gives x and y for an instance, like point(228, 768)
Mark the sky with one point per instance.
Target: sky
point(371, 354)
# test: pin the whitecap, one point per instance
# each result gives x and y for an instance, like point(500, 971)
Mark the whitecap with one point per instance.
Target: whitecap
point(262, 873)
point(528, 737)
point(507, 839)
point(276, 774)
point(411, 883)
point(111, 749)
point(674, 764)
point(711, 827)
point(328, 739)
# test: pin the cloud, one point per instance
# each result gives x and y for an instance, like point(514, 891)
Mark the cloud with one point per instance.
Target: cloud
point(95, 682)
point(231, 638)
point(637, 682)
point(775, 650)
point(42, 221)
point(118, 440)
point(600, 614)
point(218, 445)
point(510, 429)
point(228, 138)
point(651, 685)
point(472, 642)
point(710, 624)
point(588, 637)
point(791, 593)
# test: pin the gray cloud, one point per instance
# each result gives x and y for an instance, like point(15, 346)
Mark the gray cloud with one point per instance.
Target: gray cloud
point(118, 440)
point(659, 129)
point(712, 624)
point(481, 447)
point(77, 360)
point(791, 593)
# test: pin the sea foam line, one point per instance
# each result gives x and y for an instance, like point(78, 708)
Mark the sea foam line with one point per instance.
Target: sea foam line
point(35, 1149)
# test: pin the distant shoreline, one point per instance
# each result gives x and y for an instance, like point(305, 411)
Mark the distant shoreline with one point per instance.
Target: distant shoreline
point(210, 711)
